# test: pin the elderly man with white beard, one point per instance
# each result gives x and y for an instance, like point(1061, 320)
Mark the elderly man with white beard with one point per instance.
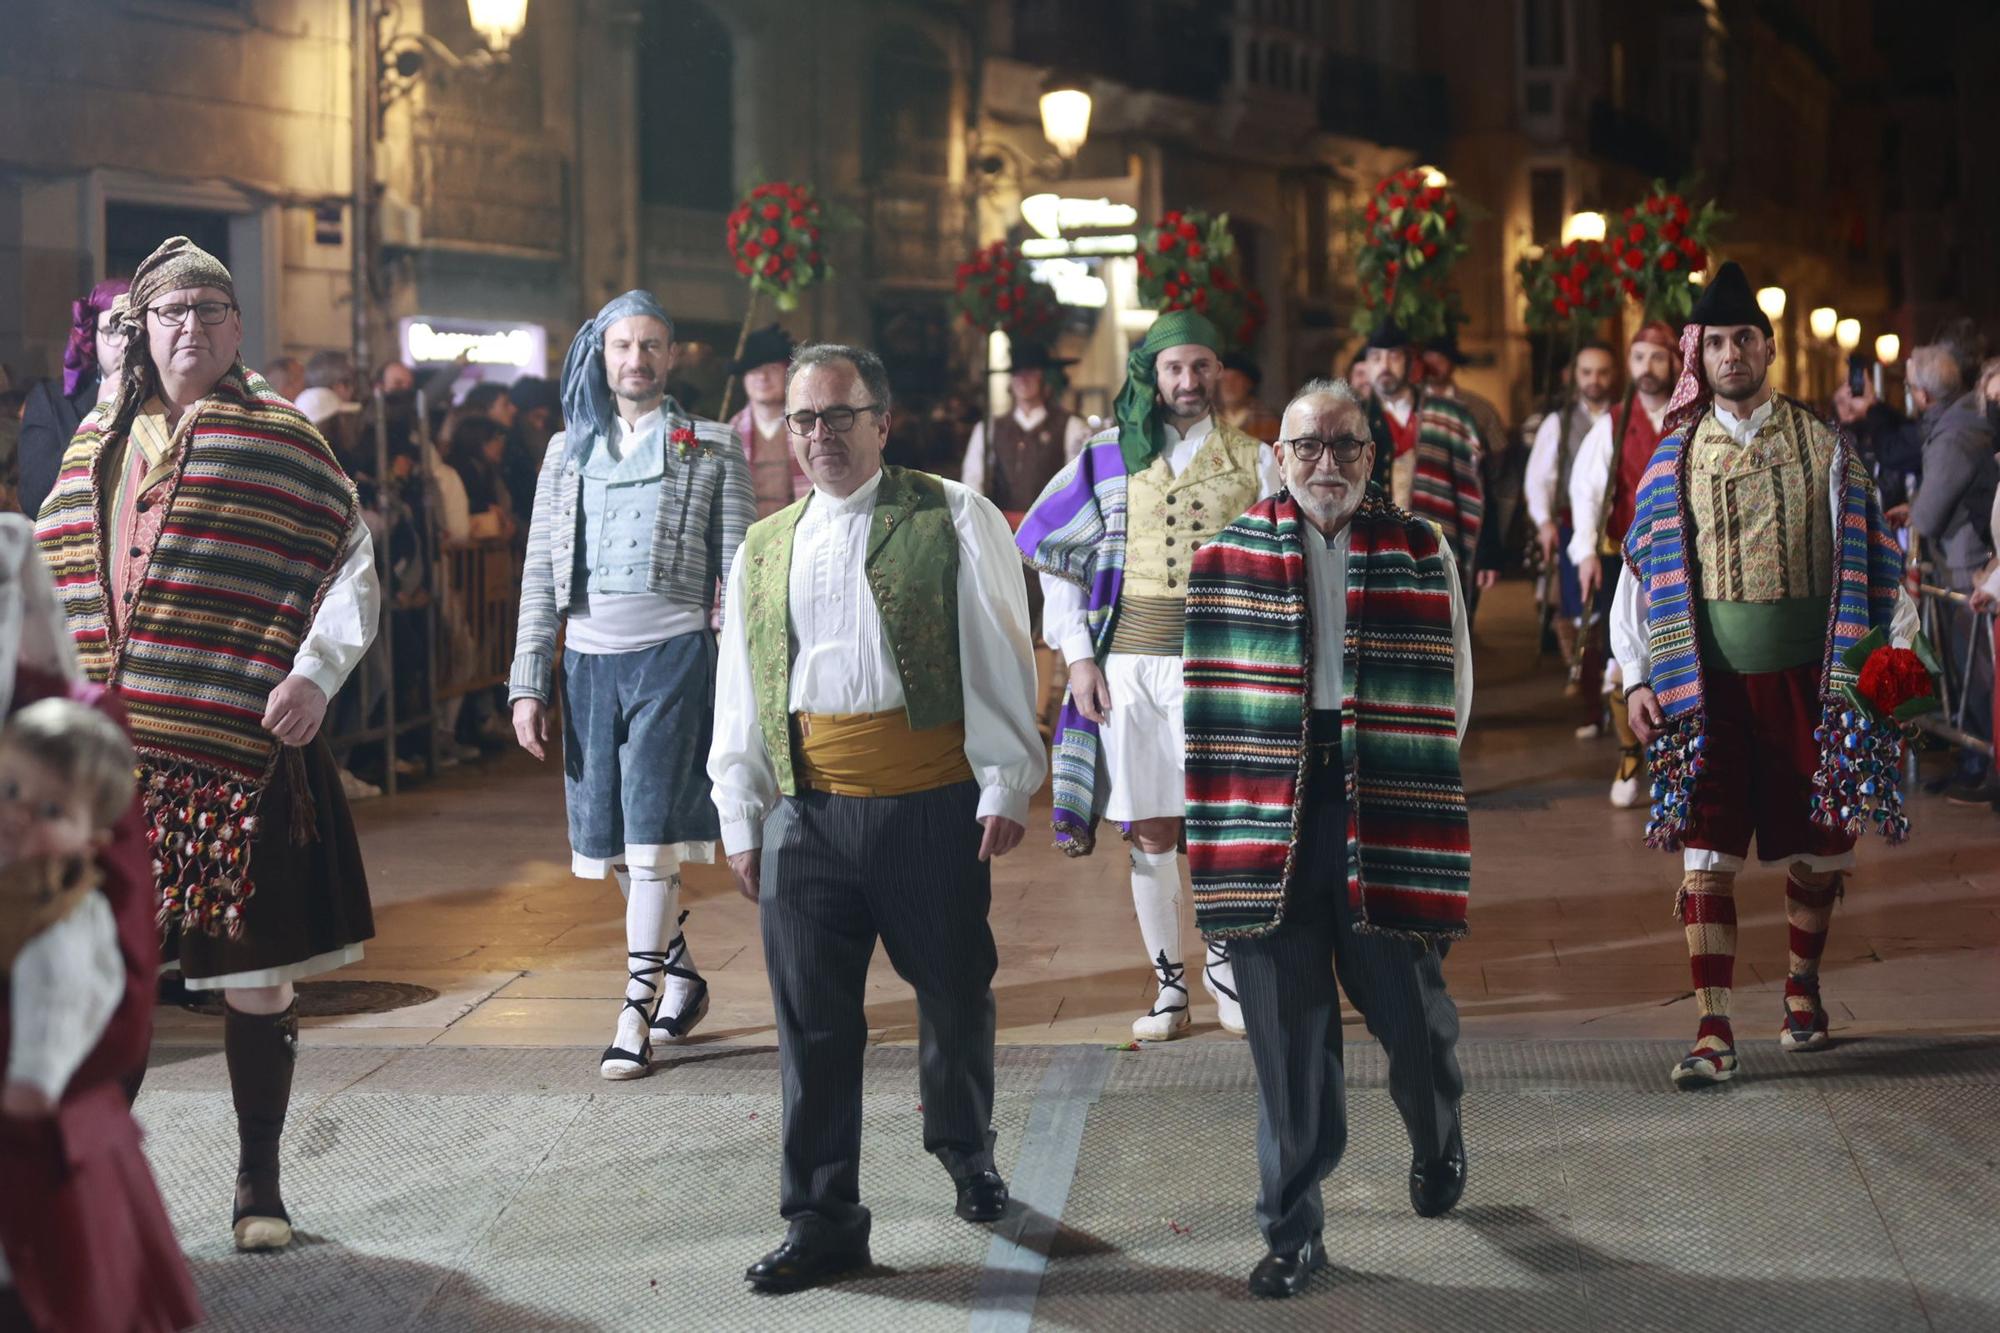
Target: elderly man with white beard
point(1329, 674)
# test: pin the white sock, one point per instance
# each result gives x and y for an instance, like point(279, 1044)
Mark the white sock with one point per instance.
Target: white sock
point(1156, 900)
point(651, 893)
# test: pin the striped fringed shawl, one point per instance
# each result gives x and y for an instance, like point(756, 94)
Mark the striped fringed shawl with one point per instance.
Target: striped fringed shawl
point(1446, 486)
point(1858, 777)
point(1248, 705)
point(1076, 531)
point(258, 514)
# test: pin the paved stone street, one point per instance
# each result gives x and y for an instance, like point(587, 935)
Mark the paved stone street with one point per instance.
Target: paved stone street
point(457, 1164)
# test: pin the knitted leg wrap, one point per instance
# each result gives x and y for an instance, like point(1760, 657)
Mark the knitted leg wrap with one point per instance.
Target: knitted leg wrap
point(1707, 904)
point(1809, 899)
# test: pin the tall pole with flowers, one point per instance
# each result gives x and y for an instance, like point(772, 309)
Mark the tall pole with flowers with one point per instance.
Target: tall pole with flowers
point(1409, 238)
point(774, 236)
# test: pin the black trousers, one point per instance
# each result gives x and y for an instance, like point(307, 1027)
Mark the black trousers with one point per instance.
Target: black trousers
point(837, 872)
point(1291, 1010)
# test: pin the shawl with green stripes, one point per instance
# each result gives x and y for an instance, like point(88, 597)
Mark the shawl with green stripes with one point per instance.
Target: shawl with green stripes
point(1858, 781)
point(258, 515)
point(1248, 705)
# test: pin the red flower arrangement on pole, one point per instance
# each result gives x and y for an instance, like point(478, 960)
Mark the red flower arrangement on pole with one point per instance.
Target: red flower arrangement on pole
point(1655, 244)
point(995, 293)
point(774, 237)
point(1410, 235)
point(1569, 287)
point(1188, 262)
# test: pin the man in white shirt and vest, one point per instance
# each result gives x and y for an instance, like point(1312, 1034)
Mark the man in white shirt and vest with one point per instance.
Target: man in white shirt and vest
point(875, 749)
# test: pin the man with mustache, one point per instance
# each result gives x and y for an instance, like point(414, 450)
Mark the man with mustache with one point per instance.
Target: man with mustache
point(1329, 673)
point(875, 749)
point(1114, 534)
point(1551, 464)
point(1759, 556)
point(638, 513)
point(1427, 448)
point(1599, 473)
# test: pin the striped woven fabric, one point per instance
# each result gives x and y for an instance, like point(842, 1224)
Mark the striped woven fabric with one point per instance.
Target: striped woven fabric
point(258, 514)
point(1868, 570)
point(1076, 531)
point(1447, 488)
point(1249, 672)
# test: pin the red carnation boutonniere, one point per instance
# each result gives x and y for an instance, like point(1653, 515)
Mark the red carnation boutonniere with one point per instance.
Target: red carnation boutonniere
point(685, 442)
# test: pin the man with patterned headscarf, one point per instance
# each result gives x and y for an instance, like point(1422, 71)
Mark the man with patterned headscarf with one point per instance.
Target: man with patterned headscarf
point(638, 513)
point(1114, 535)
point(1758, 557)
point(212, 570)
point(1603, 488)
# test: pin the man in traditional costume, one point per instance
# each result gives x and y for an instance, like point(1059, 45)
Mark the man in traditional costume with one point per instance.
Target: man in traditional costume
point(1237, 400)
point(1114, 535)
point(638, 513)
point(1603, 491)
point(1758, 556)
point(1551, 463)
point(875, 749)
point(1329, 673)
point(214, 572)
point(775, 475)
point(1427, 447)
point(1032, 442)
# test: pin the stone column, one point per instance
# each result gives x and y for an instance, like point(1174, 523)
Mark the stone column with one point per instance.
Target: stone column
point(607, 130)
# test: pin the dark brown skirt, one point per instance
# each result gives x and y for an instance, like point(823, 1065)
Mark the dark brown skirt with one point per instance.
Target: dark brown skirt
point(311, 898)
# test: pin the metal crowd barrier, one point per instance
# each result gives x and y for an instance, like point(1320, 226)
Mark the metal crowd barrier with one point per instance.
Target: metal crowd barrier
point(1960, 653)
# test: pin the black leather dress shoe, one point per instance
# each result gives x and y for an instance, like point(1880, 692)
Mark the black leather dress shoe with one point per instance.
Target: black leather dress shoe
point(801, 1263)
point(982, 1197)
point(1286, 1272)
point(1435, 1186)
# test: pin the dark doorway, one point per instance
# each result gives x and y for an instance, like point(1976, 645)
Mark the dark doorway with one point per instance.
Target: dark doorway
point(134, 231)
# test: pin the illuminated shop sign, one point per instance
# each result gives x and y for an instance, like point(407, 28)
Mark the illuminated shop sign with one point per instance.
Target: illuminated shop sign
point(1056, 219)
point(429, 340)
point(1072, 281)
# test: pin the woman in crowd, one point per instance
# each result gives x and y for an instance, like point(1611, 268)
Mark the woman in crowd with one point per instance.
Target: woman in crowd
point(95, 351)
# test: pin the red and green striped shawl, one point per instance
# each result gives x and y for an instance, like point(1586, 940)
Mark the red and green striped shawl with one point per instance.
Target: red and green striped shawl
point(258, 515)
point(1248, 704)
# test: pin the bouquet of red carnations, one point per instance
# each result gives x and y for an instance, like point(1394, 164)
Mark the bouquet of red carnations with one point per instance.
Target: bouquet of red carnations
point(1188, 262)
point(774, 237)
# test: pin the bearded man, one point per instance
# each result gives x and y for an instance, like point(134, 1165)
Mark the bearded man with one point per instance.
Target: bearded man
point(1329, 674)
point(1114, 535)
point(214, 573)
point(638, 513)
point(1758, 556)
point(1427, 450)
point(1603, 491)
point(1551, 463)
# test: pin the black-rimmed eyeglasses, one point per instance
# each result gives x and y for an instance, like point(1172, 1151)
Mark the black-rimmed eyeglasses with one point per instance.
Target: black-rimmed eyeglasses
point(208, 312)
point(1308, 448)
point(839, 420)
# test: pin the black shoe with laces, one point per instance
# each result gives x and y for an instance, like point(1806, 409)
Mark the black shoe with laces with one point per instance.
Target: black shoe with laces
point(1284, 1273)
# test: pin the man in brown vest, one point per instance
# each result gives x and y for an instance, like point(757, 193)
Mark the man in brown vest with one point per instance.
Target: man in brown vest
point(1030, 443)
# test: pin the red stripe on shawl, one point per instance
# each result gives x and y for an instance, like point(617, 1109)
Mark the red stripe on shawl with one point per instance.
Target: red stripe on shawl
point(191, 705)
point(196, 645)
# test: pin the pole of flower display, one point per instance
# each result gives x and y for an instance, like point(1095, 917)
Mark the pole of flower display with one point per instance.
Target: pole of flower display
point(773, 236)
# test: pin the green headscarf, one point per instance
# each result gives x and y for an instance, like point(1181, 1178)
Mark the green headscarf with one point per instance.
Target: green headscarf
point(1140, 435)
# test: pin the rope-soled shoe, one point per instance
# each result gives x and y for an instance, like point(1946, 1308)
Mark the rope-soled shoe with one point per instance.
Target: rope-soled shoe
point(1219, 980)
point(1805, 1028)
point(1168, 1018)
point(618, 1062)
point(669, 1029)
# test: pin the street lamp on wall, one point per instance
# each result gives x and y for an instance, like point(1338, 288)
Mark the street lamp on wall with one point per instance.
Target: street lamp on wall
point(1823, 321)
point(1848, 334)
point(1771, 300)
point(498, 21)
point(1888, 348)
point(1065, 114)
point(1584, 226)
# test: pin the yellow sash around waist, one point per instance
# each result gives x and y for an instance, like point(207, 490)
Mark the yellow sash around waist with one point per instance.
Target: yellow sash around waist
point(877, 754)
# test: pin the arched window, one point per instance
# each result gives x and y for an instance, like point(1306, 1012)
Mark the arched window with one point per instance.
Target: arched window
point(909, 107)
point(686, 100)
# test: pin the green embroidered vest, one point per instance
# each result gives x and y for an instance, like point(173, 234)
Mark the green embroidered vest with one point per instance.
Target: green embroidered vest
point(912, 570)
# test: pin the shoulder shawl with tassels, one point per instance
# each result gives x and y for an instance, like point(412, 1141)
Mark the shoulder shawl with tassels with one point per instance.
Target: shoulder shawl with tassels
point(258, 514)
point(1249, 677)
point(1858, 780)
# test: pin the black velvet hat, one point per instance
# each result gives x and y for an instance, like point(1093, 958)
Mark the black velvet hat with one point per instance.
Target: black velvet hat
point(1728, 300)
point(1244, 364)
point(1388, 337)
point(761, 348)
point(1033, 356)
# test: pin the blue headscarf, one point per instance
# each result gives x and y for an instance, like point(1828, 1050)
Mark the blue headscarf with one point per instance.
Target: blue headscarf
point(586, 394)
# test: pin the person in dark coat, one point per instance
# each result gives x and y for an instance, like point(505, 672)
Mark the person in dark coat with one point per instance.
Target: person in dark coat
point(91, 359)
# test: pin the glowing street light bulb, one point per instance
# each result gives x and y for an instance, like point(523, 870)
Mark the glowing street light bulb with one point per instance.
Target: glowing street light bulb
point(499, 22)
point(1848, 334)
point(1433, 178)
point(1585, 226)
point(1887, 348)
point(1771, 300)
point(1823, 320)
point(1065, 116)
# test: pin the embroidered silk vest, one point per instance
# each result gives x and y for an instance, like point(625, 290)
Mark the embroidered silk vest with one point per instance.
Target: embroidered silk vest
point(912, 569)
point(1763, 531)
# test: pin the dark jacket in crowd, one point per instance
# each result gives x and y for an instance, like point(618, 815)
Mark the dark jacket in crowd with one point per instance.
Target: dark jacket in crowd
point(1954, 505)
point(1893, 447)
point(48, 419)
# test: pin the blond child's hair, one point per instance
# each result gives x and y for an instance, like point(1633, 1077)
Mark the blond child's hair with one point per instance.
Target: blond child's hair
point(83, 747)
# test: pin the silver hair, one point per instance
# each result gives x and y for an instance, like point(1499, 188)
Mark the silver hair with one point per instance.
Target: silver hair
point(1934, 369)
point(1322, 387)
point(874, 375)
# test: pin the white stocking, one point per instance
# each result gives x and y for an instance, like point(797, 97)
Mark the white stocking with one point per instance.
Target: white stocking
point(651, 895)
point(1156, 900)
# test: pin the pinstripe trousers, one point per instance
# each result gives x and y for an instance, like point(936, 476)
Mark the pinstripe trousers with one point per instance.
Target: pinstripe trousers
point(837, 872)
point(1291, 1011)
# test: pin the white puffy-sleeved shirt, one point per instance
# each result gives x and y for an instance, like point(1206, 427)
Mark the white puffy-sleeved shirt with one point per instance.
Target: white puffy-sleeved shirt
point(845, 665)
point(347, 618)
point(1539, 486)
point(1590, 480)
point(64, 986)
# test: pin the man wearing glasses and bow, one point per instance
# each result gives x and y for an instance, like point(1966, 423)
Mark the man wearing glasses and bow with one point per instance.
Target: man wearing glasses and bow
point(875, 749)
point(1329, 674)
point(212, 568)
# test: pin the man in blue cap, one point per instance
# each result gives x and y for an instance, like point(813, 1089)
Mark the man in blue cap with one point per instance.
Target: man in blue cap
point(651, 504)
